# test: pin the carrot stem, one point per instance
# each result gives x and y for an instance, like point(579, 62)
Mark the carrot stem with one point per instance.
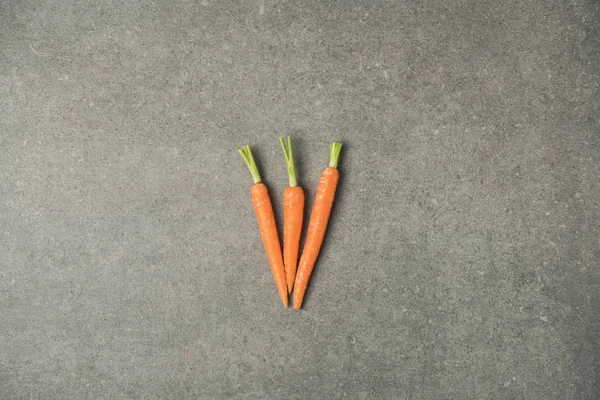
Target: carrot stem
point(334, 154)
point(289, 160)
point(246, 154)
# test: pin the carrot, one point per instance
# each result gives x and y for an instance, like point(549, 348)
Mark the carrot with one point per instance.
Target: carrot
point(266, 224)
point(317, 224)
point(293, 213)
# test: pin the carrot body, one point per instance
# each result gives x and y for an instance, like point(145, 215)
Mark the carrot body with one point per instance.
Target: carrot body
point(293, 213)
point(266, 224)
point(268, 232)
point(317, 225)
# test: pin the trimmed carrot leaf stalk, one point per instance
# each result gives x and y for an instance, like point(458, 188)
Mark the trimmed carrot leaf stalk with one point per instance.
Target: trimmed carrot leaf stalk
point(289, 160)
point(317, 224)
point(246, 154)
point(334, 154)
point(266, 224)
point(293, 214)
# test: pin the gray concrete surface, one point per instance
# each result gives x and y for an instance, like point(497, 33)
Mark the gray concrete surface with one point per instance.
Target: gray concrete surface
point(462, 256)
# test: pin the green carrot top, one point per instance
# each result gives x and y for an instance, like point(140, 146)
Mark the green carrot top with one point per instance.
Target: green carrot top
point(289, 160)
point(246, 154)
point(334, 154)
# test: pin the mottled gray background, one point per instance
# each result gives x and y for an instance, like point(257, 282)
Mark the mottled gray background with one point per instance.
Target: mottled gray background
point(461, 261)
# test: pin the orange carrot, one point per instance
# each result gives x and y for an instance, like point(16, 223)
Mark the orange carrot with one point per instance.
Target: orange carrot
point(293, 212)
point(266, 224)
point(318, 223)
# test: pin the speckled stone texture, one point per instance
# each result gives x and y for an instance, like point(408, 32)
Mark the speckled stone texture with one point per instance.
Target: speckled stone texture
point(462, 257)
